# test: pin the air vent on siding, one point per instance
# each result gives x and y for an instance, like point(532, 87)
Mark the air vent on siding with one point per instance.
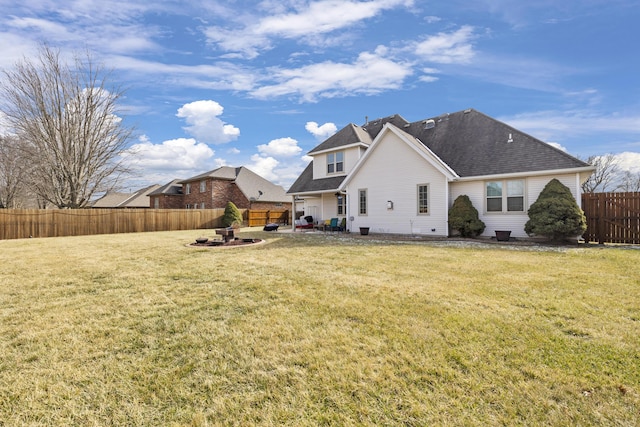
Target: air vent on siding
point(430, 124)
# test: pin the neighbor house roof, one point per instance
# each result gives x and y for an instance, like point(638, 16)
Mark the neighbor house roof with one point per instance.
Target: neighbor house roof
point(252, 185)
point(172, 188)
point(137, 199)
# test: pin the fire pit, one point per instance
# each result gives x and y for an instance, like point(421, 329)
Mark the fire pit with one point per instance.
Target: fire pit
point(226, 241)
point(226, 233)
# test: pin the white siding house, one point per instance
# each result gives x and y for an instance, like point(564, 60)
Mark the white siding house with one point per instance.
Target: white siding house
point(394, 176)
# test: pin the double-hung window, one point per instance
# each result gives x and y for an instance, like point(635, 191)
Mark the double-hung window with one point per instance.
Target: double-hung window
point(335, 162)
point(362, 202)
point(342, 204)
point(203, 186)
point(187, 189)
point(423, 199)
point(505, 196)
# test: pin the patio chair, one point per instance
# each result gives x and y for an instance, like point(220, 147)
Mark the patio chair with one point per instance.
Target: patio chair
point(333, 226)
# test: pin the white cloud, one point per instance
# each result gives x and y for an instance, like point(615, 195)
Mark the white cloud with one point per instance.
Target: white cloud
point(177, 156)
point(282, 147)
point(548, 124)
point(558, 146)
point(628, 161)
point(204, 124)
point(264, 166)
point(305, 21)
point(447, 48)
point(371, 73)
point(321, 132)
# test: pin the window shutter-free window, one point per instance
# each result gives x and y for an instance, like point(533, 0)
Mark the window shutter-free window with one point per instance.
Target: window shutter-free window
point(505, 196)
point(515, 196)
point(330, 163)
point(423, 199)
point(494, 196)
point(362, 202)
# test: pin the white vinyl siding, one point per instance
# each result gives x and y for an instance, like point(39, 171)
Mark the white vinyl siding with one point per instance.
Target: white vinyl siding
point(514, 221)
point(392, 172)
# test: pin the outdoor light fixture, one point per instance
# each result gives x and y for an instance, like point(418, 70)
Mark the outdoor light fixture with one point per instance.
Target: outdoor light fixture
point(389, 204)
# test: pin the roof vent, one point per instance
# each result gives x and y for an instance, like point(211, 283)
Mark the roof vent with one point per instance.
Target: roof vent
point(429, 124)
point(467, 111)
point(510, 138)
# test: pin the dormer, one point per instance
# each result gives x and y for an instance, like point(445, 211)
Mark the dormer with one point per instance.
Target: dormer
point(337, 155)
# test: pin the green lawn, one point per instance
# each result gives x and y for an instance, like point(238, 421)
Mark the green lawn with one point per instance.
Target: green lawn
point(139, 329)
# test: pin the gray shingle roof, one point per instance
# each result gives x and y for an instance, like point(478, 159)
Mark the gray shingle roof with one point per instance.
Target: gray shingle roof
point(348, 135)
point(137, 199)
point(305, 182)
point(469, 142)
point(172, 188)
point(474, 144)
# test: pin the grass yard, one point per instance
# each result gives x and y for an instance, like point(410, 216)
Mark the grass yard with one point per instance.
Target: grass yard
point(140, 330)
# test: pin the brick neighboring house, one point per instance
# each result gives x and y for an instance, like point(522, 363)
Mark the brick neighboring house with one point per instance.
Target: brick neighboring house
point(168, 196)
point(213, 189)
point(137, 199)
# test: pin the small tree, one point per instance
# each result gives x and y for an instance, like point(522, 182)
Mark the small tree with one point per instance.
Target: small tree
point(555, 214)
point(464, 218)
point(232, 216)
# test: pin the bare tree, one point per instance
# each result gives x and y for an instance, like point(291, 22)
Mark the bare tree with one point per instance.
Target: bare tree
point(604, 177)
point(13, 174)
point(630, 182)
point(70, 122)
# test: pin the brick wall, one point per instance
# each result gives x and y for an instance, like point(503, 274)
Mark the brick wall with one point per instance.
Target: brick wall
point(167, 202)
point(216, 195)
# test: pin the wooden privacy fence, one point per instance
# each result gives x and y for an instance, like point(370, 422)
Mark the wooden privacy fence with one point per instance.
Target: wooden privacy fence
point(259, 217)
point(24, 223)
point(612, 217)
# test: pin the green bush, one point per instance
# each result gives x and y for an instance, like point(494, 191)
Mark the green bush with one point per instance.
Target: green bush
point(464, 218)
point(232, 216)
point(555, 215)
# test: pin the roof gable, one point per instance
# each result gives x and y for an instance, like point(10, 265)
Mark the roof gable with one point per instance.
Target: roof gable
point(348, 135)
point(419, 148)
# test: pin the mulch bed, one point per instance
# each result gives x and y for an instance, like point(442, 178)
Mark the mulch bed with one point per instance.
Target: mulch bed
point(222, 244)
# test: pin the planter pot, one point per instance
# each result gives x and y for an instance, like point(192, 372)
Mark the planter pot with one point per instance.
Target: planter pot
point(364, 231)
point(503, 235)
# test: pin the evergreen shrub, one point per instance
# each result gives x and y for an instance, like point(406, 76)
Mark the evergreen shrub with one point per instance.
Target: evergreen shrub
point(464, 218)
point(232, 216)
point(555, 214)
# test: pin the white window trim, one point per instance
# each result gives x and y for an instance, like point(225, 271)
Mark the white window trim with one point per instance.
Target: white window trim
point(366, 202)
point(428, 199)
point(505, 197)
point(335, 163)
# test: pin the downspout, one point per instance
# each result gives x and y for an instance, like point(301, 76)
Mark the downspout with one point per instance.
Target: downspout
point(293, 213)
point(446, 206)
point(578, 190)
point(347, 202)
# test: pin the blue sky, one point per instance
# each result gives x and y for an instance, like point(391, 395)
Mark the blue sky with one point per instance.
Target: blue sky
point(260, 83)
